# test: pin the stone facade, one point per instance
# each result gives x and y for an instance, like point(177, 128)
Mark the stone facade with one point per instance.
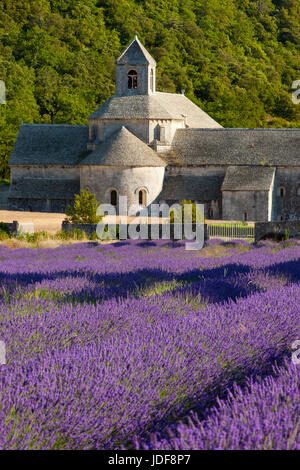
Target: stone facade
point(125, 181)
point(153, 146)
point(246, 205)
point(288, 193)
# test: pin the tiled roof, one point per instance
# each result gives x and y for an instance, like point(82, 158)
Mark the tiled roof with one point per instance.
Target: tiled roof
point(155, 106)
point(275, 147)
point(123, 149)
point(135, 54)
point(195, 188)
point(49, 144)
point(44, 188)
point(248, 178)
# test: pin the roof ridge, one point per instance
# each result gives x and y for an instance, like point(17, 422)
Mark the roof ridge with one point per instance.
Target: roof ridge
point(52, 125)
point(144, 51)
point(129, 151)
point(190, 129)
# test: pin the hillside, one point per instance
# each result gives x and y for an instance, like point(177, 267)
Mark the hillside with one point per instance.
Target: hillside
point(236, 59)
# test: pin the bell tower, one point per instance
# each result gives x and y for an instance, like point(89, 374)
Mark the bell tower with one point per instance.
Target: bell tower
point(135, 71)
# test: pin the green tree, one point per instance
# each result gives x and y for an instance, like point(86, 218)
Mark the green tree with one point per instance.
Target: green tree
point(182, 215)
point(236, 59)
point(84, 210)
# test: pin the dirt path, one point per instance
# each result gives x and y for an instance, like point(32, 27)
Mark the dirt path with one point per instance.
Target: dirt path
point(50, 222)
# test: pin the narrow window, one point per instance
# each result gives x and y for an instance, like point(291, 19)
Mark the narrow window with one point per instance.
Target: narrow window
point(142, 197)
point(281, 191)
point(151, 80)
point(113, 197)
point(245, 216)
point(132, 79)
point(211, 213)
point(298, 191)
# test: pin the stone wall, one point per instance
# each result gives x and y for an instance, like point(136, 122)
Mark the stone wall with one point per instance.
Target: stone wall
point(42, 189)
point(255, 203)
point(170, 127)
point(202, 185)
point(143, 72)
point(90, 229)
point(38, 205)
point(36, 171)
point(101, 130)
point(288, 205)
point(277, 229)
point(144, 129)
point(11, 227)
point(126, 181)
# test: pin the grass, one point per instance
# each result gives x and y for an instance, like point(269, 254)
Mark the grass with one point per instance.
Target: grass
point(41, 239)
point(47, 240)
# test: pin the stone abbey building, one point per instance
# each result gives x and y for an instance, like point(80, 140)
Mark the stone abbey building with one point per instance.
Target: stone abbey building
point(157, 147)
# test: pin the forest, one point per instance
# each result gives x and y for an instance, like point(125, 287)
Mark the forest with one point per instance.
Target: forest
point(236, 59)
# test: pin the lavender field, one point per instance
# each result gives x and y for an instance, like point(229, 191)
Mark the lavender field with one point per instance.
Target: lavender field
point(144, 345)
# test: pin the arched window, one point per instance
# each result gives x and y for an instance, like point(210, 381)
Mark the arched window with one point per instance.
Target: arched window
point(113, 197)
point(211, 213)
point(132, 79)
point(281, 191)
point(142, 197)
point(245, 216)
point(151, 80)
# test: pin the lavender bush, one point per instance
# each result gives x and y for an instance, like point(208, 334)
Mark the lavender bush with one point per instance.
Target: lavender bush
point(264, 416)
point(113, 346)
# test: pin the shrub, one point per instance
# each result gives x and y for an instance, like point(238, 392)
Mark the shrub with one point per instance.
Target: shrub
point(3, 235)
point(62, 235)
point(84, 210)
point(36, 236)
point(93, 236)
point(176, 217)
point(77, 234)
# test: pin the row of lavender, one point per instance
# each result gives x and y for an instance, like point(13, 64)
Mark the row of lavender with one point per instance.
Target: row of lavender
point(114, 346)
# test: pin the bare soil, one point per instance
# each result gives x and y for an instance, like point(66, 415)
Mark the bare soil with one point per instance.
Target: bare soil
point(49, 222)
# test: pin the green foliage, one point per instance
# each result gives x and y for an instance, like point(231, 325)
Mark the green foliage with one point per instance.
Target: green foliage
point(3, 235)
point(62, 235)
point(236, 59)
point(84, 210)
point(286, 235)
point(93, 236)
point(179, 216)
point(77, 234)
point(35, 237)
